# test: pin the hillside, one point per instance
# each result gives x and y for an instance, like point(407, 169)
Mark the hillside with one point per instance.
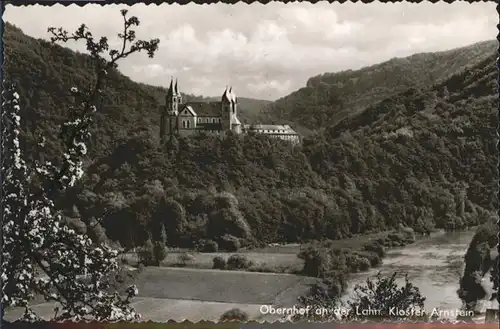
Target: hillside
point(45, 72)
point(330, 97)
point(424, 158)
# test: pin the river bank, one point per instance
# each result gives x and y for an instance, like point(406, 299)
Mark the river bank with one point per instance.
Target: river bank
point(434, 264)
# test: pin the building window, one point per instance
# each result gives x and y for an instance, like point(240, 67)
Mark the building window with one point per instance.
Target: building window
point(219, 120)
point(183, 124)
point(188, 124)
point(213, 120)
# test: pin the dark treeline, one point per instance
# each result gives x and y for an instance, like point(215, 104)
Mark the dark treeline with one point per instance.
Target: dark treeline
point(423, 159)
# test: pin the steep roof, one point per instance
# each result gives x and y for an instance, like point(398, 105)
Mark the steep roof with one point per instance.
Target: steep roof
point(170, 91)
point(187, 110)
point(176, 89)
point(232, 95)
point(205, 109)
point(226, 96)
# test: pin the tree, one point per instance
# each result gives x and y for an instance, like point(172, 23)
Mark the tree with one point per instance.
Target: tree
point(146, 253)
point(41, 254)
point(324, 295)
point(160, 244)
point(478, 261)
point(384, 294)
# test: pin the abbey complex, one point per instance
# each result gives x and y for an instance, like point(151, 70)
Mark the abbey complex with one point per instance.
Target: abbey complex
point(184, 119)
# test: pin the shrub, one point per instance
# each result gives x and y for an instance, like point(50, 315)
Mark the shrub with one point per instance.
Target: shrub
point(185, 258)
point(363, 264)
point(317, 261)
point(394, 237)
point(230, 243)
point(208, 246)
point(376, 247)
point(407, 233)
point(238, 262)
point(160, 252)
point(322, 295)
point(234, 314)
point(219, 263)
point(372, 257)
point(146, 254)
point(383, 293)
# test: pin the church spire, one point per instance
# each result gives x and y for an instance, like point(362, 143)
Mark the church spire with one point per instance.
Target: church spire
point(232, 96)
point(176, 90)
point(170, 91)
point(226, 96)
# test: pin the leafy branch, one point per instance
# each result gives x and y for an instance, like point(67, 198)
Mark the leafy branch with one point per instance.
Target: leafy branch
point(34, 236)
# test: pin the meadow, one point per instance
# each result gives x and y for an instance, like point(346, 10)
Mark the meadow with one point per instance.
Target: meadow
point(204, 294)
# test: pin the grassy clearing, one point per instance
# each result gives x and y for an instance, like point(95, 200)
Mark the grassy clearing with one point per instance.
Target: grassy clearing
point(270, 259)
point(214, 285)
point(263, 262)
point(196, 294)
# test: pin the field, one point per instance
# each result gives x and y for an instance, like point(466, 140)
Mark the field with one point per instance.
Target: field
point(198, 294)
point(282, 261)
point(215, 285)
point(273, 258)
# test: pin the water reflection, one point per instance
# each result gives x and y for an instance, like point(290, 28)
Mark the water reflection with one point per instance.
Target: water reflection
point(434, 264)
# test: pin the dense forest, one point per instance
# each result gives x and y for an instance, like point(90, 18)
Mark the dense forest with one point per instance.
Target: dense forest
point(328, 98)
point(422, 158)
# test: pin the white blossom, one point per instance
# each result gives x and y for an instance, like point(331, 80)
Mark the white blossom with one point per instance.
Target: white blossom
point(33, 219)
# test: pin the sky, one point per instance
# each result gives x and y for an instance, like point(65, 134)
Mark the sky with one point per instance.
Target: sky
point(267, 51)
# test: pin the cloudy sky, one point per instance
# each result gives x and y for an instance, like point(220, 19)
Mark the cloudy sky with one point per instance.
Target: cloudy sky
point(268, 51)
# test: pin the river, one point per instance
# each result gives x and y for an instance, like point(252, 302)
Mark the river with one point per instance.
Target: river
point(434, 264)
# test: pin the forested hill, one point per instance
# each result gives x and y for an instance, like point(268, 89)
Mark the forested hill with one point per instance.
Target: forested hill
point(422, 158)
point(44, 73)
point(442, 140)
point(330, 97)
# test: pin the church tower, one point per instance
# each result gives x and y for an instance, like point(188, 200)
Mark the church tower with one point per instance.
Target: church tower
point(169, 122)
point(226, 110)
point(235, 123)
point(177, 94)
